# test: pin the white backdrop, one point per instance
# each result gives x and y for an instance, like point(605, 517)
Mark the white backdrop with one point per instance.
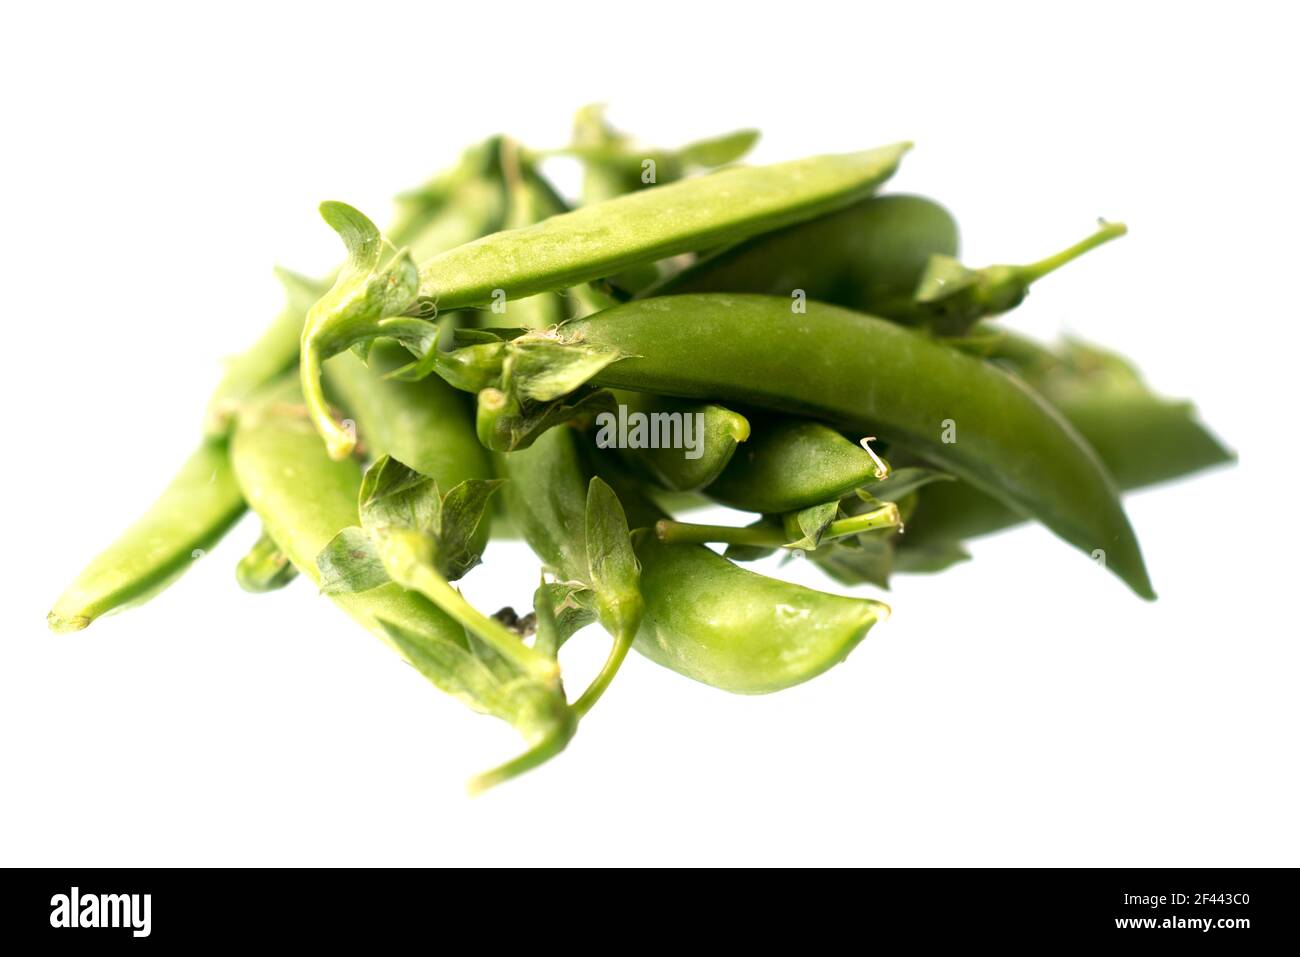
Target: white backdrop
point(1017, 710)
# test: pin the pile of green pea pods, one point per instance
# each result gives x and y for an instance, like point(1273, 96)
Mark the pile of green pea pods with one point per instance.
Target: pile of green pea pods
point(782, 340)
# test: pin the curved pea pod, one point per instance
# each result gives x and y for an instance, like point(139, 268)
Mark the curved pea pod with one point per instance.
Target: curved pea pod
point(869, 257)
point(188, 518)
point(704, 617)
point(305, 500)
point(381, 288)
point(793, 463)
point(683, 446)
point(1141, 438)
point(869, 375)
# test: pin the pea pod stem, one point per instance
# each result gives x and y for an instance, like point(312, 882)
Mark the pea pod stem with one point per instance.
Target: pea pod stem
point(541, 752)
point(686, 533)
point(1032, 272)
point(622, 645)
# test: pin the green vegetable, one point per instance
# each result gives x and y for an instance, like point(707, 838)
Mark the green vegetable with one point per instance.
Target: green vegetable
point(793, 463)
point(189, 517)
point(869, 257)
point(381, 284)
point(683, 446)
point(1141, 438)
point(704, 617)
point(871, 376)
point(787, 296)
point(305, 501)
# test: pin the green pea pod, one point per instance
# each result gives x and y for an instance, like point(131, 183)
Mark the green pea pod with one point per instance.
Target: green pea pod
point(869, 257)
point(791, 464)
point(381, 286)
point(305, 500)
point(683, 446)
point(872, 376)
point(265, 568)
point(202, 501)
point(188, 518)
point(890, 256)
point(704, 617)
point(1141, 438)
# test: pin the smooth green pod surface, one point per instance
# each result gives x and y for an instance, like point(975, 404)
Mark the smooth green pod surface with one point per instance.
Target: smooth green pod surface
point(867, 374)
point(868, 257)
point(187, 519)
point(791, 464)
point(304, 499)
point(604, 238)
point(1141, 438)
point(427, 425)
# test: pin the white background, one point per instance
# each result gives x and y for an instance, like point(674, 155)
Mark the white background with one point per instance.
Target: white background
point(1020, 709)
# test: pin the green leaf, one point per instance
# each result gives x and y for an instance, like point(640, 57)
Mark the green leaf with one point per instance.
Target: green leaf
point(350, 563)
point(361, 237)
point(393, 494)
point(462, 512)
point(541, 368)
point(806, 526)
point(455, 670)
point(860, 561)
point(944, 278)
point(505, 425)
point(614, 570)
point(933, 556)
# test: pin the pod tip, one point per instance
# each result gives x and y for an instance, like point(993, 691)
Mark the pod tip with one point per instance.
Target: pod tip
point(62, 625)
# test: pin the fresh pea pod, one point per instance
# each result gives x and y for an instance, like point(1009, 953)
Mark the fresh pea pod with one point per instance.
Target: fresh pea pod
point(704, 617)
point(866, 374)
point(426, 424)
point(683, 446)
point(188, 518)
point(889, 256)
point(1140, 437)
point(869, 257)
point(305, 500)
point(381, 286)
point(793, 463)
